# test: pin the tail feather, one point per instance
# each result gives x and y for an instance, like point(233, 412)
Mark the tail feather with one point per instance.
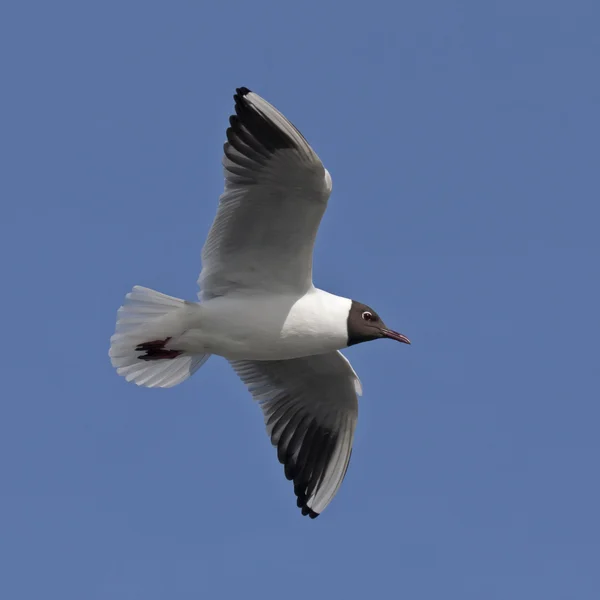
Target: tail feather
point(145, 324)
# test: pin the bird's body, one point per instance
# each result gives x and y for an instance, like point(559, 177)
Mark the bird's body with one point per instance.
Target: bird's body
point(265, 327)
point(259, 308)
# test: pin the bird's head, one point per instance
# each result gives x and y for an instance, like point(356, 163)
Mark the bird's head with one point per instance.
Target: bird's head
point(364, 325)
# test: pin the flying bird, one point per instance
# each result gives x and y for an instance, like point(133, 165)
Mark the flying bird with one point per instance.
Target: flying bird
point(258, 307)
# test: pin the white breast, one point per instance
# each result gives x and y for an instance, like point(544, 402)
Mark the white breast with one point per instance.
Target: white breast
point(269, 327)
point(318, 322)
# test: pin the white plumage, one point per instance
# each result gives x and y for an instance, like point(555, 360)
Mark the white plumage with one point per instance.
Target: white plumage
point(259, 308)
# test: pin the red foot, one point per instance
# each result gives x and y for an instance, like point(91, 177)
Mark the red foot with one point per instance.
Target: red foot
point(156, 350)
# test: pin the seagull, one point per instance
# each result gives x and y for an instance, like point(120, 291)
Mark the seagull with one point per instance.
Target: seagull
point(258, 307)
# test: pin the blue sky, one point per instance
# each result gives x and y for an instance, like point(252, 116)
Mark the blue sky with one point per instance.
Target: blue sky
point(462, 138)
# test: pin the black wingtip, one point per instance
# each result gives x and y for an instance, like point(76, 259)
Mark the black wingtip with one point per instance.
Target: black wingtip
point(308, 512)
point(242, 91)
point(255, 130)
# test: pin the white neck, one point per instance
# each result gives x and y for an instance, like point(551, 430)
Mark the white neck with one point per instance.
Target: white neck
point(321, 319)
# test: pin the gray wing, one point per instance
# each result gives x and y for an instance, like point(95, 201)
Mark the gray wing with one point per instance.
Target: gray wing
point(310, 407)
point(276, 191)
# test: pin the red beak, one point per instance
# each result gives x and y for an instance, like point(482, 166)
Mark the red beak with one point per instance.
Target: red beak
point(394, 335)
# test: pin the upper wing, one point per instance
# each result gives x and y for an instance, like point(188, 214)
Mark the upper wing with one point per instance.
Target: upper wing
point(310, 407)
point(276, 191)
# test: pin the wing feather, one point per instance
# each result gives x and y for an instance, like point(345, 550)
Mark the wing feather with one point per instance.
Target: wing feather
point(310, 407)
point(276, 191)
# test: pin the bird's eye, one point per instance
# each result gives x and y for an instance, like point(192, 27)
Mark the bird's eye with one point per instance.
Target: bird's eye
point(368, 316)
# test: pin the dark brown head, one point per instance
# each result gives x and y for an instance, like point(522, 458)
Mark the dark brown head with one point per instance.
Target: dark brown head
point(364, 325)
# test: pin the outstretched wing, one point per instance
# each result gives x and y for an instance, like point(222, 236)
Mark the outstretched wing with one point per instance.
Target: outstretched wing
point(310, 407)
point(276, 191)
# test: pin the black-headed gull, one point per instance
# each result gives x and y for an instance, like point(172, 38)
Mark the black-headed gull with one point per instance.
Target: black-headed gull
point(259, 308)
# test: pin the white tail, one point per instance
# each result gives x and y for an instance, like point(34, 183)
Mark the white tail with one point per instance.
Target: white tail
point(145, 323)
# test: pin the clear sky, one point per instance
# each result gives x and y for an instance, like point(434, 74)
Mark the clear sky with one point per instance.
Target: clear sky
point(462, 138)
